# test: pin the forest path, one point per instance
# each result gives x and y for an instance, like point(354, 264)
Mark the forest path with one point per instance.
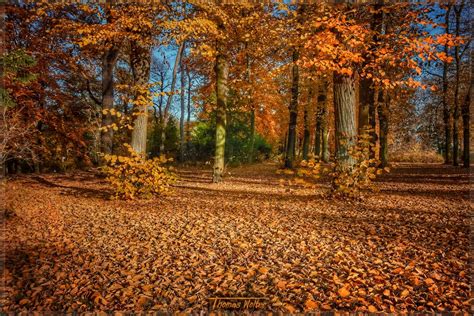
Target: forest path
point(406, 247)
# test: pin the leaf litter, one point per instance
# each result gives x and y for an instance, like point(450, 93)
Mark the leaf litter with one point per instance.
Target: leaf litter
point(404, 248)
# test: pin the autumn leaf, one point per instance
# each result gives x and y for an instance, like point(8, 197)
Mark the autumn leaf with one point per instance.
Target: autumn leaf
point(263, 270)
point(281, 285)
point(290, 308)
point(372, 309)
point(310, 304)
point(429, 281)
point(343, 292)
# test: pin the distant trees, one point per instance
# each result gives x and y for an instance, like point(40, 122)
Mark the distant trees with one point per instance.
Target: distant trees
point(343, 68)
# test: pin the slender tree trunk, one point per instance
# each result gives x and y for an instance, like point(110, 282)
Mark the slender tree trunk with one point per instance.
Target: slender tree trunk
point(325, 142)
point(177, 62)
point(188, 119)
point(181, 118)
point(344, 107)
point(457, 110)
point(466, 129)
point(306, 133)
point(291, 145)
point(383, 110)
point(323, 118)
point(446, 108)
point(140, 63)
point(222, 72)
point(251, 106)
point(318, 132)
point(108, 64)
point(366, 105)
point(252, 135)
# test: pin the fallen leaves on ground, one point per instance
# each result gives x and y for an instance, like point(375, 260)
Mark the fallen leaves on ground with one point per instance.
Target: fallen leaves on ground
point(405, 248)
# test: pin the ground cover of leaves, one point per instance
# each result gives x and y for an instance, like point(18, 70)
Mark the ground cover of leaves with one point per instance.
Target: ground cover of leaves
point(406, 248)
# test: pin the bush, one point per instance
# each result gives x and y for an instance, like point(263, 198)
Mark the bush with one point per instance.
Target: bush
point(237, 145)
point(135, 176)
point(351, 181)
point(171, 138)
point(346, 181)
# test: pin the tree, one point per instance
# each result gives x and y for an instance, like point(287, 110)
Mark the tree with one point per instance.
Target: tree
point(457, 82)
point(182, 109)
point(466, 129)
point(344, 109)
point(293, 108)
point(306, 131)
point(109, 59)
point(222, 73)
point(140, 64)
point(447, 114)
point(383, 106)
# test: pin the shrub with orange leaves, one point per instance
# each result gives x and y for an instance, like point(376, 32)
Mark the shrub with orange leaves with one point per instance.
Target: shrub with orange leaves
point(347, 181)
point(133, 176)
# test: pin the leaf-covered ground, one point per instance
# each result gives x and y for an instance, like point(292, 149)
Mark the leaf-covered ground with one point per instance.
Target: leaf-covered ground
point(404, 248)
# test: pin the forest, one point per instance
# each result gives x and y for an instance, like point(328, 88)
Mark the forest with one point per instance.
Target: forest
point(236, 156)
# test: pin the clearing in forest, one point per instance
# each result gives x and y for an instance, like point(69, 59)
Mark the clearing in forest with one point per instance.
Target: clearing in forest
point(406, 247)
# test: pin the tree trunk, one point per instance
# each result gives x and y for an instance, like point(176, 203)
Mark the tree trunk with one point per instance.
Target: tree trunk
point(323, 118)
point(181, 118)
point(466, 129)
point(446, 109)
point(457, 110)
point(344, 108)
point(140, 64)
point(188, 119)
point(177, 62)
point(250, 105)
point(291, 145)
point(367, 106)
point(306, 133)
point(383, 110)
point(325, 142)
point(222, 72)
point(109, 59)
point(108, 64)
point(252, 135)
point(318, 133)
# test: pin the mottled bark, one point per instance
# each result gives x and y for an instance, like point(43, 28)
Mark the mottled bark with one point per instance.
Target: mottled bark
point(140, 59)
point(222, 72)
point(344, 108)
point(109, 59)
point(108, 63)
point(293, 108)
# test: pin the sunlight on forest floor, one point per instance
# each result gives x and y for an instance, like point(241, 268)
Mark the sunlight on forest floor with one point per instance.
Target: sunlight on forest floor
point(69, 247)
